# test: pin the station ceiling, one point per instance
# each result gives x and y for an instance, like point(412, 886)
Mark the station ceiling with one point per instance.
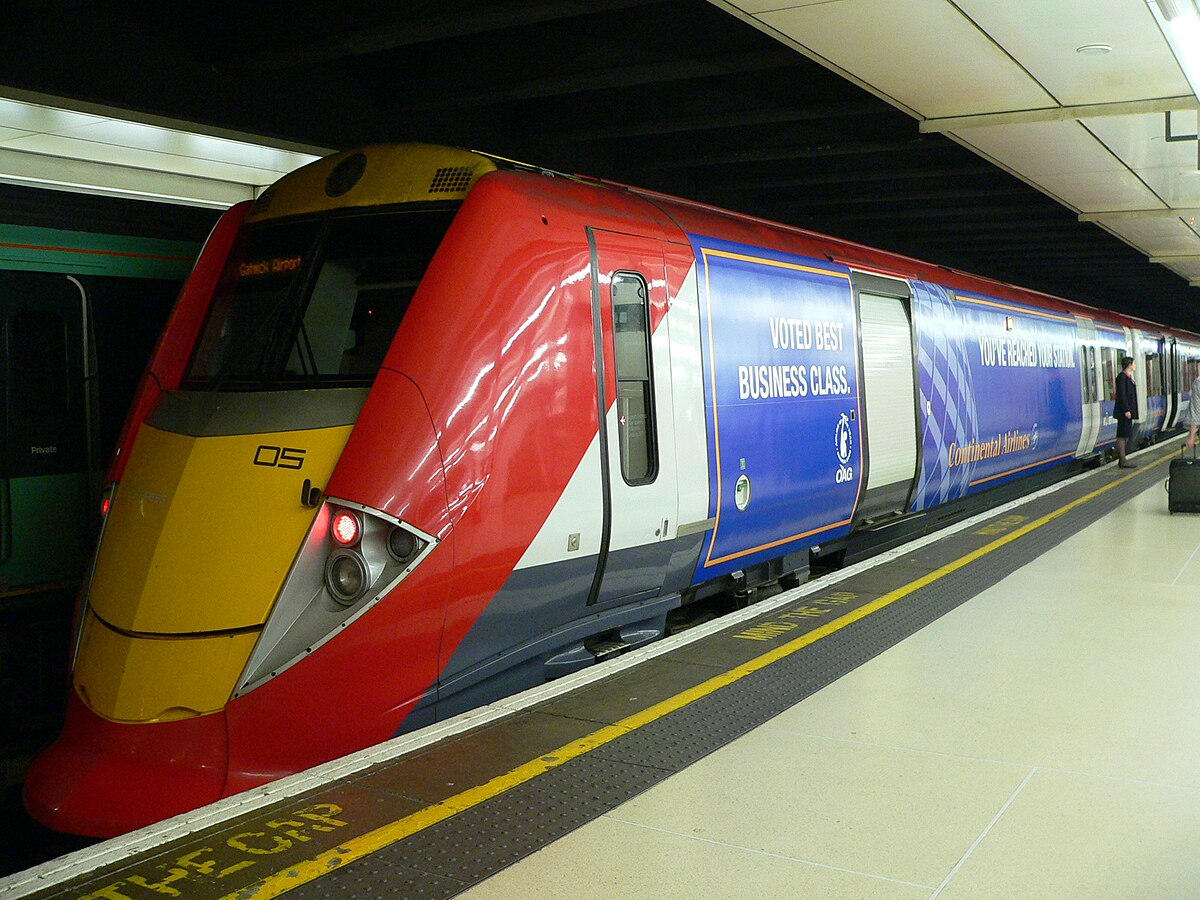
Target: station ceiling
point(802, 112)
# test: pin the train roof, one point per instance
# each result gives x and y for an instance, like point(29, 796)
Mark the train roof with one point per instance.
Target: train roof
point(393, 174)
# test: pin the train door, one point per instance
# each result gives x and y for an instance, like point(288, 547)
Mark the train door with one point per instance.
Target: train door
point(1136, 342)
point(1172, 382)
point(1149, 378)
point(1089, 383)
point(889, 394)
point(45, 460)
point(637, 446)
point(1189, 368)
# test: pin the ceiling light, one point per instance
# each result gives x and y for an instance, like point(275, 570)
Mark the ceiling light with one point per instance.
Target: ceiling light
point(1094, 49)
point(1173, 9)
point(1180, 25)
point(65, 145)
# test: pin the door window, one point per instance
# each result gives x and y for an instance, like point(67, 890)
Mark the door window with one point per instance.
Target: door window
point(37, 352)
point(635, 403)
point(1153, 374)
point(1109, 356)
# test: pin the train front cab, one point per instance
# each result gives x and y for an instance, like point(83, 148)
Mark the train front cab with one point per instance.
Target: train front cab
point(232, 631)
point(198, 593)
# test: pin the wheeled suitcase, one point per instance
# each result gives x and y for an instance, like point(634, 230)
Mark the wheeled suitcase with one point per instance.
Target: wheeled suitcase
point(1183, 484)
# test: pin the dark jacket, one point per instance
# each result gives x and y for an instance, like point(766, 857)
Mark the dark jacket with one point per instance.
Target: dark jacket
point(1126, 397)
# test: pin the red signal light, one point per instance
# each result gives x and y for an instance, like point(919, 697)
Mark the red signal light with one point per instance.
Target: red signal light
point(344, 528)
point(106, 499)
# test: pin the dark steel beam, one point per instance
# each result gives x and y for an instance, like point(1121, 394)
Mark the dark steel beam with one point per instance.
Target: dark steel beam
point(611, 77)
point(714, 121)
point(851, 180)
point(443, 26)
point(784, 154)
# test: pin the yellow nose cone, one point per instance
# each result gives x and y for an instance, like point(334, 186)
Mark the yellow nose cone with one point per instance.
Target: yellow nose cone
point(127, 678)
point(200, 536)
point(203, 530)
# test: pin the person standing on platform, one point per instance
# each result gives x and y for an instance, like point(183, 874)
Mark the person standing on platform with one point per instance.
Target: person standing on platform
point(1191, 418)
point(1125, 410)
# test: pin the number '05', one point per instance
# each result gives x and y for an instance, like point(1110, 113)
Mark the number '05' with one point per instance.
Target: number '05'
point(279, 457)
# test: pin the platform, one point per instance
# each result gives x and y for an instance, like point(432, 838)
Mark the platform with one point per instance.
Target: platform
point(871, 734)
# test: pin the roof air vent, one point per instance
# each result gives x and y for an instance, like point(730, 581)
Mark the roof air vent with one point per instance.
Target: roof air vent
point(451, 179)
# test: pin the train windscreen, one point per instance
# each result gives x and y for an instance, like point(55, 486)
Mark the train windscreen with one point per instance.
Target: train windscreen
point(313, 303)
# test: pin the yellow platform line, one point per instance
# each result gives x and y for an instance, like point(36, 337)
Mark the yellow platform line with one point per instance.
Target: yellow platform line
point(386, 835)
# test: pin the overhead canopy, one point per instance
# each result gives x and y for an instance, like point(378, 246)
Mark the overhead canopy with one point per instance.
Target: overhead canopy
point(69, 145)
point(1089, 102)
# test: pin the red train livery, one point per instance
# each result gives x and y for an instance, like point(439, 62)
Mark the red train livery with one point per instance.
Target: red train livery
point(427, 427)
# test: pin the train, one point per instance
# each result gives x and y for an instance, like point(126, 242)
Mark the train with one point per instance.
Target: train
point(80, 310)
point(427, 427)
point(72, 304)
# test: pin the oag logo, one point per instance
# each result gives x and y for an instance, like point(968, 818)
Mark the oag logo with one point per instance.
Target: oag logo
point(844, 438)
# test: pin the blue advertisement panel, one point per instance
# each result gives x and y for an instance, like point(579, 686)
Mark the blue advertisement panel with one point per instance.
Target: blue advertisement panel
point(1000, 387)
point(779, 341)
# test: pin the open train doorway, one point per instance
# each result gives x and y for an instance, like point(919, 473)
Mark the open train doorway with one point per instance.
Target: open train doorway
point(890, 398)
point(1090, 377)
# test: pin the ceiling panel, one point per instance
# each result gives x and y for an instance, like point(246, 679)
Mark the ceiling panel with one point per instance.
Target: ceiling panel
point(39, 117)
point(11, 134)
point(1039, 149)
point(1011, 69)
point(1189, 271)
point(141, 157)
point(923, 53)
point(1140, 141)
point(1044, 37)
point(1157, 237)
point(1085, 190)
point(1178, 189)
point(762, 6)
point(74, 149)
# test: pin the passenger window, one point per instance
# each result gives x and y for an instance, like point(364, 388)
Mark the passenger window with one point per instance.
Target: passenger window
point(635, 398)
point(1087, 373)
point(1109, 355)
point(1153, 375)
point(37, 353)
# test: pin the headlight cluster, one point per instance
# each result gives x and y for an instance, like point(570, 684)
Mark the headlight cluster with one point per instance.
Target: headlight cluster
point(352, 558)
point(356, 562)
